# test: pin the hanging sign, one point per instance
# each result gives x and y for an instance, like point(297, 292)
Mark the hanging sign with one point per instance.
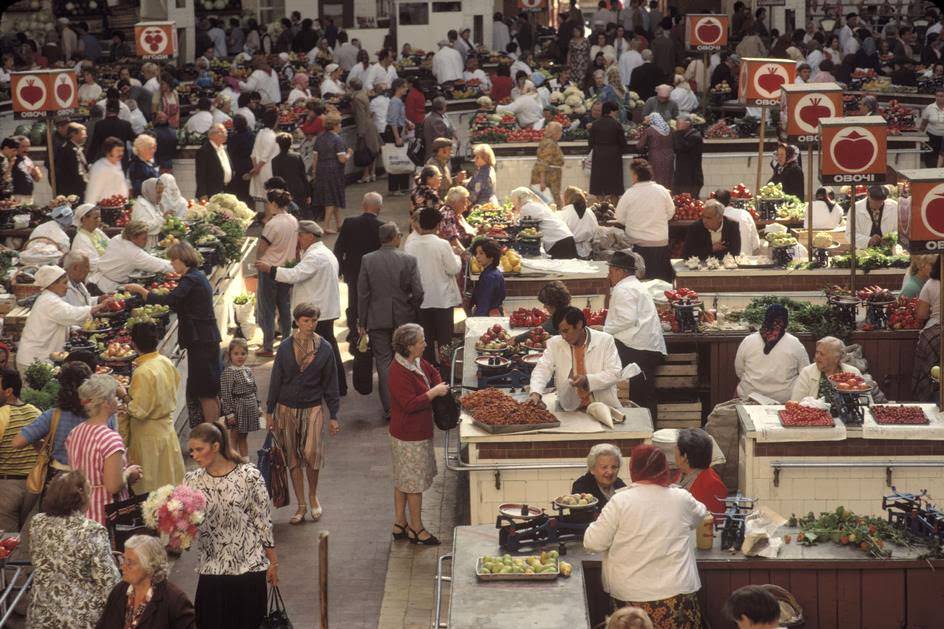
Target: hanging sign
point(532, 5)
point(853, 150)
point(155, 40)
point(760, 80)
point(803, 105)
point(36, 92)
point(705, 32)
point(926, 224)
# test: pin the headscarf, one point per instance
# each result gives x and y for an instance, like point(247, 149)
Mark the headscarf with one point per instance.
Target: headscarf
point(301, 81)
point(149, 190)
point(775, 326)
point(171, 200)
point(657, 122)
point(647, 465)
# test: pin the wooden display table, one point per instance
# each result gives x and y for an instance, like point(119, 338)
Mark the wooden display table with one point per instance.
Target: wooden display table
point(779, 280)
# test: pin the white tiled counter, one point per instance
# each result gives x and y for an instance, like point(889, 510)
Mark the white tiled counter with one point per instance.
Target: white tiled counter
point(490, 487)
point(854, 471)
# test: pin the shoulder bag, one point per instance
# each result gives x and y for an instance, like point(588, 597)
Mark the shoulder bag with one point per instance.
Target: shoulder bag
point(36, 480)
point(277, 616)
point(445, 411)
point(278, 471)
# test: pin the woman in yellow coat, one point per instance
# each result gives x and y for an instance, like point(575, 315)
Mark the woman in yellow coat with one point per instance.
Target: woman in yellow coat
point(148, 427)
point(549, 167)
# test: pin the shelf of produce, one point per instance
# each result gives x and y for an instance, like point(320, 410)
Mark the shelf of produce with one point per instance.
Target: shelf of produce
point(777, 280)
point(836, 585)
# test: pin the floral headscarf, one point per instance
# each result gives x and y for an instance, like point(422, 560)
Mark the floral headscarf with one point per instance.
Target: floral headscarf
point(657, 122)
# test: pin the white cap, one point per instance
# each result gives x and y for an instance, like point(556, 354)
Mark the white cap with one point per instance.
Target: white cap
point(48, 275)
point(81, 211)
point(331, 68)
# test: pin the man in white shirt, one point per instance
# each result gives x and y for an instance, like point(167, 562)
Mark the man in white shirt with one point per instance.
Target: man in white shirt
point(521, 65)
point(932, 122)
point(378, 107)
point(846, 32)
point(644, 211)
point(473, 71)
point(815, 57)
point(629, 61)
point(876, 216)
point(346, 53)
point(245, 111)
point(750, 239)
point(77, 267)
point(218, 36)
point(438, 265)
point(381, 72)
point(501, 36)
point(633, 322)
point(124, 112)
point(584, 363)
point(462, 43)
point(202, 119)
point(214, 172)
point(447, 63)
point(527, 108)
point(265, 81)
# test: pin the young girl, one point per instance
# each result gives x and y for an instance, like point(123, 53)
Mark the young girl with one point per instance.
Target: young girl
point(240, 405)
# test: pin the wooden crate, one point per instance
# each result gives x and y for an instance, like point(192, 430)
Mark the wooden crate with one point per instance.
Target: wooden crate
point(684, 414)
point(680, 371)
point(622, 392)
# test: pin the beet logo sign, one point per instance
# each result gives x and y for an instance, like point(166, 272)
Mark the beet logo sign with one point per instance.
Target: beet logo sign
point(810, 109)
point(31, 92)
point(932, 210)
point(64, 90)
point(854, 149)
point(153, 40)
point(708, 30)
point(769, 78)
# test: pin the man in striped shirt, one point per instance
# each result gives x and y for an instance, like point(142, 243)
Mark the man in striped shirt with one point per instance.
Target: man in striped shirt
point(15, 464)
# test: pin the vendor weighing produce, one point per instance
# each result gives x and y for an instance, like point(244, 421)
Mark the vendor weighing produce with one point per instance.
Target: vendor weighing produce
point(769, 360)
point(876, 216)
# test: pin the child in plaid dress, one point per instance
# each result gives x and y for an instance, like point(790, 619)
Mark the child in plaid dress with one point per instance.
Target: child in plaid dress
point(240, 404)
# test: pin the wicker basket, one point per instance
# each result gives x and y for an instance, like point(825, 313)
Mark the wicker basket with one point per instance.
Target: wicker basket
point(21, 291)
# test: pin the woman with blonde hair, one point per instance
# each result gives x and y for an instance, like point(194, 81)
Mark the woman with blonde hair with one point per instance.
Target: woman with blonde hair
point(918, 274)
point(142, 167)
point(330, 158)
point(629, 618)
point(580, 221)
point(549, 167)
point(482, 184)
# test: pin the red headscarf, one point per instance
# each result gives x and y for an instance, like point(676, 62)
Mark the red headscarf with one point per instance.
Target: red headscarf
point(647, 464)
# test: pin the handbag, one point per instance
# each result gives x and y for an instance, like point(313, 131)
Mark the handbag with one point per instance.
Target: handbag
point(278, 470)
point(36, 479)
point(363, 156)
point(265, 462)
point(416, 150)
point(124, 518)
point(445, 411)
point(396, 161)
point(362, 369)
point(277, 616)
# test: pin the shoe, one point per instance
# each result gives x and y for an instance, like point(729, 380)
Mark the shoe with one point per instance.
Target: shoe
point(364, 180)
point(401, 535)
point(429, 541)
point(316, 511)
point(264, 353)
point(387, 417)
point(373, 178)
point(299, 516)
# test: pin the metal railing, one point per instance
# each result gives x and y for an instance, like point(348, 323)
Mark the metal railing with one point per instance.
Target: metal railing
point(777, 466)
point(440, 579)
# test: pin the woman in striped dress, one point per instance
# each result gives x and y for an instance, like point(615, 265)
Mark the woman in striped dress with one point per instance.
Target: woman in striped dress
point(97, 450)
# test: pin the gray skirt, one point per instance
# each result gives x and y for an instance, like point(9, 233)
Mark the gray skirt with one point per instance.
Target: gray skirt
point(414, 465)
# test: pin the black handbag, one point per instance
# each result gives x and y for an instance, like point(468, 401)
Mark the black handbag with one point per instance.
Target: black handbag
point(362, 369)
point(363, 156)
point(445, 411)
point(124, 518)
point(265, 462)
point(277, 616)
point(416, 151)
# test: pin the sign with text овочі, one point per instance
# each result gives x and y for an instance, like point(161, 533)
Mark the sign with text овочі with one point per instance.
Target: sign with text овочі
point(706, 32)
point(760, 80)
point(853, 149)
point(803, 105)
point(926, 218)
point(155, 40)
point(38, 92)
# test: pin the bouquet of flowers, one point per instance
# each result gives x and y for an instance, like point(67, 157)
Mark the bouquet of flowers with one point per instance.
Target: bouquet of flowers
point(175, 513)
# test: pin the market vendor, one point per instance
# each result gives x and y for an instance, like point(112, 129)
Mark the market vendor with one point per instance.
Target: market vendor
point(77, 268)
point(601, 480)
point(714, 235)
point(52, 230)
point(47, 325)
point(750, 240)
point(826, 362)
point(634, 323)
point(769, 361)
point(527, 107)
point(827, 214)
point(583, 362)
point(106, 177)
point(125, 255)
point(489, 291)
point(662, 104)
point(645, 535)
point(89, 238)
point(556, 237)
point(147, 209)
point(787, 171)
point(644, 211)
point(876, 216)
point(693, 449)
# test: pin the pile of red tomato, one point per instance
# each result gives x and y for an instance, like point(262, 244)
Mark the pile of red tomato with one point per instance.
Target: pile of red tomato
point(741, 191)
point(595, 317)
point(525, 318)
point(687, 208)
point(903, 314)
point(681, 294)
point(526, 135)
point(668, 316)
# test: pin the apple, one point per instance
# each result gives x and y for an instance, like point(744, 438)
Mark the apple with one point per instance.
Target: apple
point(708, 31)
point(810, 114)
point(64, 90)
point(771, 80)
point(854, 151)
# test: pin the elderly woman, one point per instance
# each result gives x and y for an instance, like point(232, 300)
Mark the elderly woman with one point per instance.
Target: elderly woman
point(330, 159)
point(141, 167)
point(683, 95)
point(147, 209)
point(414, 383)
point(769, 361)
point(300, 89)
point(98, 451)
point(50, 318)
point(549, 167)
point(53, 230)
point(918, 274)
point(426, 191)
point(645, 532)
point(172, 201)
point(827, 361)
point(106, 178)
point(144, 595)
point(601, 479)
point(237, 549)
point(582, 223)
point(367, 136)
point(607, 142)
point(304, 376)
point(481, 186)
point(73, 569)
point(557, 238)
point(126, 254)
point(489, 291)
point(198, 332)
point(453, 227)
point(89, 238)
point(693, 449)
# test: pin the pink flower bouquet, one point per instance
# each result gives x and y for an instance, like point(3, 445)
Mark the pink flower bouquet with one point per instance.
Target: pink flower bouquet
point(175, 513)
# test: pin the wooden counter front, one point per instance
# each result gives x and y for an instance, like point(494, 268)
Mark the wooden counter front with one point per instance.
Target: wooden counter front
point(779, 280)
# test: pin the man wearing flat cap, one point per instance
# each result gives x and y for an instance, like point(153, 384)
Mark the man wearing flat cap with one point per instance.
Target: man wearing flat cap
point(441, 158)
point(634, 323)
point(447, 62)
point(876, 216)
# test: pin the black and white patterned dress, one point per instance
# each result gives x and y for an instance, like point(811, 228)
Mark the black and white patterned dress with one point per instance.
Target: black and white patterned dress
point(238, 396)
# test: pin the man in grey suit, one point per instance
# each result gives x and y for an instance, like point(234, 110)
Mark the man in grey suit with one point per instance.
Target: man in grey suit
point(389, 294)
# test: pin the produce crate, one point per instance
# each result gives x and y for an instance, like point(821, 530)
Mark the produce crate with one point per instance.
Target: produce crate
point(679, 371)
point(622, 392)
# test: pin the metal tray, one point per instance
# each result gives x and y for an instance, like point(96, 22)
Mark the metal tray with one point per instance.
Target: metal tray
point(547, 576)
point(882, 423)
point(787, 426)
point(595, 502)
point(504, 429)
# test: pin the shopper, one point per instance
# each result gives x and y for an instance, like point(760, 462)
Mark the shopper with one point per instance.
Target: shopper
point(608, 143)
point(693, 450)
point(277, 247)
point(688, 144)
point(239, 402)
point(328, 172)
point(359, 235)
point(645, 210)
point(603, 465)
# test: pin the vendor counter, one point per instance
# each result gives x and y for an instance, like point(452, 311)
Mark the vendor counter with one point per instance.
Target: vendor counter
point(837, 586)
point(581, 277)
point(776, 280)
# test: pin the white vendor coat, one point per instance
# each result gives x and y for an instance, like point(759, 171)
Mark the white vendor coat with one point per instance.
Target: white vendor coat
point(83, 243)
point(807, 383)
point(750, 239)
point(105, 180)
point(47, 328)
point(603, 370)
point(54, 232)
point(632, 318)
point(553, 228)
point(583, 229)
point(770, 374)
point(438, 266)
point(864, 222)
point(315, 280)
point(120, 260)
point(447, 65)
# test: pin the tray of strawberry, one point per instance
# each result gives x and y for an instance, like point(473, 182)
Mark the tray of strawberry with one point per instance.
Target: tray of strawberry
point(527, 318)
point(899, 415)
point(848, 382)
point(796, 416)
point(682, 296)
point(687, 208)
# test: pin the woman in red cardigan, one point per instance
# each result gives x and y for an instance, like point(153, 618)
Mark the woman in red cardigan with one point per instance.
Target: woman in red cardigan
point(413, 384)
point(415, 104)
point(693, 457)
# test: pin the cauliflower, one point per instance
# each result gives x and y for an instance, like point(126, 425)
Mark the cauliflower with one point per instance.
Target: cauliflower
point(556, 97)
point(634, 96)
point(572, 90)
point(573, 100)
point(580, 110)
point(565, 109)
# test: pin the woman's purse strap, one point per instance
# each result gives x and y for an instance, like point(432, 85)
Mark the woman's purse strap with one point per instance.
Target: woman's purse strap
point(53, 428)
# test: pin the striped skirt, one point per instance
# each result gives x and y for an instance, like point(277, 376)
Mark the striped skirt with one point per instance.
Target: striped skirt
point(302, 431)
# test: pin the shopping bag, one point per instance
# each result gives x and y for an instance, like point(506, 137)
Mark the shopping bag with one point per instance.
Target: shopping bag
point(445, 411)
point(278, 471)
point(363, 156)
point(124, 518)
point(362, 370)
point(276, 617)
point(265, 462)
point(396, 160)
point(416, 150)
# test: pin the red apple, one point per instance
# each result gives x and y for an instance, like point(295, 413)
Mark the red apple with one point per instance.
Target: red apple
point(708, 31)
point(771, 81)
point(32, 93)
point(853, 152)
point(64, 90)
point(934, 214)
point(811, 113)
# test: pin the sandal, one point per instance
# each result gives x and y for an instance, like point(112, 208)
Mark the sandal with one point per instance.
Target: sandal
point(402, 534)
point(299, 516)
point(316, 511)
point(429, 541)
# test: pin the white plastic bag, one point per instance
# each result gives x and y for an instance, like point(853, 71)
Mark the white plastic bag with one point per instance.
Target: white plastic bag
point(396, 160)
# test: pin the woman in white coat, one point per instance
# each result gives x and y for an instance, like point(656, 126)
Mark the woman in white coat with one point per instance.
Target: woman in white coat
point(172, 202)
point(263, 150)
point(89, 238)
point(557, 238)
point(147, 210)
point(826, 362)
point(47, 325)
point(106, 178)
point(769, 361)
point(581, 222)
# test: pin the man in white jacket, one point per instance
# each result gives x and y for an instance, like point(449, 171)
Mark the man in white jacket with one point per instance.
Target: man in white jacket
point(584, 363)
point(447, 63)
point(265, 81)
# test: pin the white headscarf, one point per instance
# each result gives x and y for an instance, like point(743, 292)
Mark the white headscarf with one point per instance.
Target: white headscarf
point(171, 199)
